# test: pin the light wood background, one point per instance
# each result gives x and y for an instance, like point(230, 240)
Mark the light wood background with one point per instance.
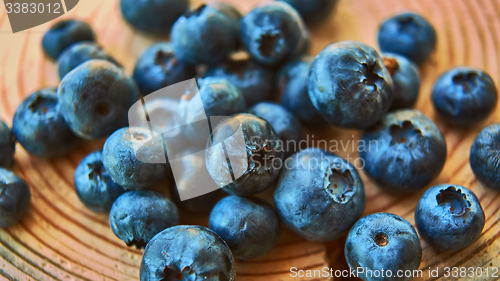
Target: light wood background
point(59, 239)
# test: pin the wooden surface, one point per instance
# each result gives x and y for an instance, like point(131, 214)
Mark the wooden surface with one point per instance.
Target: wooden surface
point(59, 239)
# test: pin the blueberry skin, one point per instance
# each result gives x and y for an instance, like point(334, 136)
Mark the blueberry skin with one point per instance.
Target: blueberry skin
point(128, 167)
point(158, 68)
point(195, 253)
point(284, 123)
point(39, 126)
point(94, 186)
point(313, 11)
point(263, 152)
point(449, 217)
point(153, 16)
point(7, 146)
point(219, 97)
point(383, 241)
point(485, 156)
point(319, 195)
point(79, 53)
point(15, 197)
point(464, 96)
point(349, 85)
point(273, 32)
point(403, 152)
point(63, 34)
point(204, 36)
point(405, 78)
point(95, 98)
point(292, 82)
point(256, 82)
point(251, 228)
point(409, 35)
point(137, 216)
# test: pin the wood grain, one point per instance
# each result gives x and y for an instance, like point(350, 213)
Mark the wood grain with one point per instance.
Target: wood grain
point(59, 239)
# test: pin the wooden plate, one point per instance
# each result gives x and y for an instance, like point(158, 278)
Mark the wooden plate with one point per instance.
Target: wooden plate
point(59, 239)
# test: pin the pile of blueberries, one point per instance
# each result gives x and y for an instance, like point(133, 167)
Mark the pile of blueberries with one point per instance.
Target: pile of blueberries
point(240, 62)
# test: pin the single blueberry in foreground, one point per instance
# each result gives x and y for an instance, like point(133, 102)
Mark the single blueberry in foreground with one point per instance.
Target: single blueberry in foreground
point(284, 123)
point(292, 82)
point(15, 197)
point(153, 16)
point(63, 34)
point(273, 32)
point(403, 152)
point(7, 146)
point(464, 96)
point(349, 85)
point(95, 98)
point(250, 227)
point(137, 216)
point(94, 186)
point(449, 217)
point(485, 156)
point(405, 78)
point(195, 253)
point(319, 195)
point(253, 149)
point(133, 158)
point(79, 53)
point(39, 126)
point(313, 11)
point(255, 81)
point(158, 68)
point(205, 35)
point(383, 241)
point(409, 35)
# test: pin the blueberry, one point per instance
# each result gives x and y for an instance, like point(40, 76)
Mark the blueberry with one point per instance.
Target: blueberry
point(7, 146)
point(405, 78)
point(157, 68)
point(251, 228)
point(133, 159)
point(319, 195)
point(204, 35)
point(153, 16)
point(15, 197)
point(283, 122)
point(253, 149)
point(273, 32)
point(349, 85)
point(39, 126)
point(94, 186)
point(292, 85)
point(403, 152)
point(313, 11)
point(449, 217)
point(256, 82)
point(218, 96)
point(79, 53)
point(195, 253)
point(230, 11)
point(95, 98)
point(464, 96)
point(137, 216)
point(409, 35)
point(385, 242)
point(63, 34)
point(485, 156)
